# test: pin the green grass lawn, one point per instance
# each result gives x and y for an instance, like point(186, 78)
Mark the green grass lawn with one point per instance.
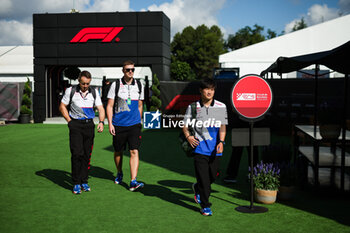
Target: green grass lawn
point(35, 191)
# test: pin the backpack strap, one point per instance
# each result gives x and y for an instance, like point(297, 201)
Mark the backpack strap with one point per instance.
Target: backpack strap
point(117, 86)
point(194, 110)
point(72, 92)
point(193, 116)
point(139, 86)
point(93, 92)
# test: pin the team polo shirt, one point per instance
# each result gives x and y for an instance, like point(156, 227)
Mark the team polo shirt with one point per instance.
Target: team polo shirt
point(126, 114)
point(81, 107)
point(207, 133)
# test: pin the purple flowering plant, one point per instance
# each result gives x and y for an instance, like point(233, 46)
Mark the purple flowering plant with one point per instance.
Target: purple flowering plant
point(266, 176)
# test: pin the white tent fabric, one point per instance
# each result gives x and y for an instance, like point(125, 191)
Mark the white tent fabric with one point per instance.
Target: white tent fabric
point(16, 64)
point(16, 60)
point(258, 57)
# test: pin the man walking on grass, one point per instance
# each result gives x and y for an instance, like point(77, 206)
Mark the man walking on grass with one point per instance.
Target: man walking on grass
point(124, 112)
point(81, 98)
point(208, 141)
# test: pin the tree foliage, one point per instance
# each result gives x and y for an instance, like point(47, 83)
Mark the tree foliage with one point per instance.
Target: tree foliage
point(72, 72)
point(271, 34)
point(247, 36)
point(181, 71)
point(299, 25)
point(199, 48)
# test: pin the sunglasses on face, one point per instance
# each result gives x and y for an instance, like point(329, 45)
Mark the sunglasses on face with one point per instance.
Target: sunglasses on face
point(128, 70)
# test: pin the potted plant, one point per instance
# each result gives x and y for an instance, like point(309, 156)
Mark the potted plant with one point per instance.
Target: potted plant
point(288, 176)
point(25, 111)
point(329, 121)
point(266, 182)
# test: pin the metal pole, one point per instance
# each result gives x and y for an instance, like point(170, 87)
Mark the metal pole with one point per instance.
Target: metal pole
point(342, 168)
point(316, 147)
point(251, 163)
point(252, 208)
point(315, 98)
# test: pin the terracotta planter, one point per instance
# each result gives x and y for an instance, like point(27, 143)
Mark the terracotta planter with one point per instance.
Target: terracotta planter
point(286, 193)
point(265, 196)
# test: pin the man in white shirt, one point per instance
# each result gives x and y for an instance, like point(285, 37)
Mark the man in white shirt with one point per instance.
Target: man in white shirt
point(124, 111)
point(82, 99)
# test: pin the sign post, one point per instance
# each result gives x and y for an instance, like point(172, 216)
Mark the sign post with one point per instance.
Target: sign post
point(251, 98)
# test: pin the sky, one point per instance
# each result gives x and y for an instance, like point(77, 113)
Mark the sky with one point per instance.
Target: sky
point(229, 15)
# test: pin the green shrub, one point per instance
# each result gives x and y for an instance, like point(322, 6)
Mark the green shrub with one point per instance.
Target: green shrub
point(26, 100)
point(156, 103)
point(25, 110)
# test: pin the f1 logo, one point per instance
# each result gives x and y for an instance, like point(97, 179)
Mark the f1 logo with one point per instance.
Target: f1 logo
point(106, 34)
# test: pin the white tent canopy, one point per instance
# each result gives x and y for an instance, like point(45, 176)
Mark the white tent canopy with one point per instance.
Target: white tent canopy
point(16, 64)
point(317, 38)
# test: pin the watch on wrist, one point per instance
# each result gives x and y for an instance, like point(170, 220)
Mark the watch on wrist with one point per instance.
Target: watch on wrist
point(223, 142)
point(102, 122)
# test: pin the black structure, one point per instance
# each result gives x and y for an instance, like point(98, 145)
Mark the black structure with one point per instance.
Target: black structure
point(338, 60)
point(104, 40)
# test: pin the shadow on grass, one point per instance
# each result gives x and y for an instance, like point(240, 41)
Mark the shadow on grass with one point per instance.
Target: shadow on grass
point(61, 178)
point(331, 204)
point(176, 184)
point(239, 195)
point(64, 179)
point(109, 148)
point(184, 186)
point(101, 173)
point(168, 195)
point(162, 148)
point(231, 202)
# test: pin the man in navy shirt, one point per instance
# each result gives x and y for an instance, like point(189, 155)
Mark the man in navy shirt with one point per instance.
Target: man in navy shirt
point(81, 127)
point(124, 111)
point(209, 126)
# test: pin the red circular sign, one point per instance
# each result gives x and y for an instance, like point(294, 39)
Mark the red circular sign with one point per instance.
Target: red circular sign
point(251, 96)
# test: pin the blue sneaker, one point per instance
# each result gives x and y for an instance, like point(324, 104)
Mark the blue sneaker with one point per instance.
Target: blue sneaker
point(197, 197)
point(134, 185)
point(77, 189)
point(119, 178)
point(86, 187)
point(206, 211)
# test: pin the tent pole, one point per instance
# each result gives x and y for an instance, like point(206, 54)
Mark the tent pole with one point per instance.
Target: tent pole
point(316, 174)
point(316, 98)
point(342, 168)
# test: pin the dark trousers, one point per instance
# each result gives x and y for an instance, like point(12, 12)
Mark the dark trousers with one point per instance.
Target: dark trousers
point(233, 165)
point(81, 139)
point(206, 168)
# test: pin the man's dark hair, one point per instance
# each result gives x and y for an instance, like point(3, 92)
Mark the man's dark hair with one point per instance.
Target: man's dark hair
point(84, 73)
point(128, 62)
point(207, 83)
